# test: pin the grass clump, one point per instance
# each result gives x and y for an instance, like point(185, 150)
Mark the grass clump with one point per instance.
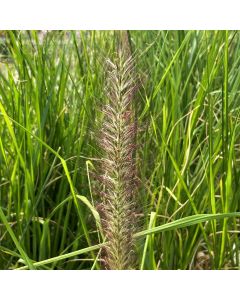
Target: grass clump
point(51, 88)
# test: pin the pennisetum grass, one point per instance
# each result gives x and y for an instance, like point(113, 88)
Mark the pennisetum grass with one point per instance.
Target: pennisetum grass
point(189, 154)
point(118, 175)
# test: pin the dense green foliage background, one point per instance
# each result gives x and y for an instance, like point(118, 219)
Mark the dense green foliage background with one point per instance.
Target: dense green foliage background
point(51, 91)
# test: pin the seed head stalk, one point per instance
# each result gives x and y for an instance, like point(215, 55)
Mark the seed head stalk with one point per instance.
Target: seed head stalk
point(118, 176)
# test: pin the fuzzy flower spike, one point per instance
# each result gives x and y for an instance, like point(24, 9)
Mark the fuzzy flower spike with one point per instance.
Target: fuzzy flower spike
point(118, 176)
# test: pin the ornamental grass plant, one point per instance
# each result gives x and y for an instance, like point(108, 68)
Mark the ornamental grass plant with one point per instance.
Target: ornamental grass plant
point(184, 211)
